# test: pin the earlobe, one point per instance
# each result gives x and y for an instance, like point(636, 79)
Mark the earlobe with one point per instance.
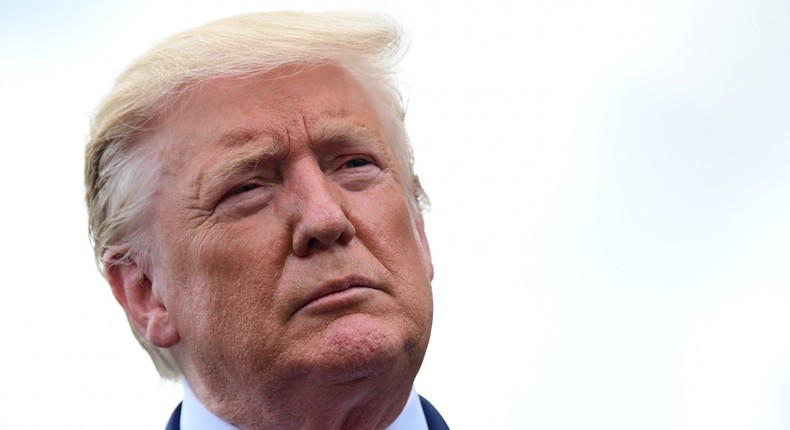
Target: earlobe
point(145, 310)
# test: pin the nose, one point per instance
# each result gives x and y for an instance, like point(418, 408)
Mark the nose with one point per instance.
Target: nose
point(321, 212)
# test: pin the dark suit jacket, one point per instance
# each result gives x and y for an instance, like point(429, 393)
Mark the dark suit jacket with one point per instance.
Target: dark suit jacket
point(432, 417)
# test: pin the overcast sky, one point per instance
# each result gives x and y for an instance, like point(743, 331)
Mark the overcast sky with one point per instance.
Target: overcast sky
point(611, 198)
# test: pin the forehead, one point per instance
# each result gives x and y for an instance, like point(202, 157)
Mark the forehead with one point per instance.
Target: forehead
point(281, 104)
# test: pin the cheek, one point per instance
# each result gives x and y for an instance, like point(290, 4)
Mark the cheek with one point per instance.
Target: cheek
point(223, 278)
point(387, 222)
point(387, 229)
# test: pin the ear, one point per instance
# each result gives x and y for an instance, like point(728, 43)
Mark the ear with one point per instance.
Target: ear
point(426, 250)
point(144, 308)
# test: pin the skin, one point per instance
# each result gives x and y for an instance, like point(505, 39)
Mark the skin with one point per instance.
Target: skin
point(291, 280)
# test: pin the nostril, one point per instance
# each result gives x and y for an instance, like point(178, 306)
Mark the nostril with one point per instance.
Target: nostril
point(315, 234)
point(313, 243)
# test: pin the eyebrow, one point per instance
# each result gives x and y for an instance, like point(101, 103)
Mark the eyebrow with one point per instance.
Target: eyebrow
point(243, 162)
point(271, 146)
point(345, 132)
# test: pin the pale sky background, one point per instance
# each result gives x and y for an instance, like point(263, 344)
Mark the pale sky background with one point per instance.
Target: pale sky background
point(610, 225)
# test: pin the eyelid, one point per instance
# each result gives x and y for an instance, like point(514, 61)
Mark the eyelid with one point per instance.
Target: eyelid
point(235, 189)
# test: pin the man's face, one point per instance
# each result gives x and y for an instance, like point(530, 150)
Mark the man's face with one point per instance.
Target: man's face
point(286, 249)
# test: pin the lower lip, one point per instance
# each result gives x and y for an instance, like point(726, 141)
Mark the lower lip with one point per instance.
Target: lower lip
point(338, 301)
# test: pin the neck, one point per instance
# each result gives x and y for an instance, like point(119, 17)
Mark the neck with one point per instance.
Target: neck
point(366, 404)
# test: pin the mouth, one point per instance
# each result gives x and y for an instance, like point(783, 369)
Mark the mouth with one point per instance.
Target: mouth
point(338, 294)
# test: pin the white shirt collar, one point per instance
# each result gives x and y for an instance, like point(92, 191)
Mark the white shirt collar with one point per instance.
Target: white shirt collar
point(411, 417)
point(195, 416)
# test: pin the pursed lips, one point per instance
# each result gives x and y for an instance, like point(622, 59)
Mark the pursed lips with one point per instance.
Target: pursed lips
point(336, 286)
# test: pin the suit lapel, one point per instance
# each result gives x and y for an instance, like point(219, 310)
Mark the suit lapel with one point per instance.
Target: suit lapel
point(432, 417)
point(175, 420)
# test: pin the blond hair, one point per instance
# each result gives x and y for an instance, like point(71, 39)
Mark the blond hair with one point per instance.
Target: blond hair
point(120, 177)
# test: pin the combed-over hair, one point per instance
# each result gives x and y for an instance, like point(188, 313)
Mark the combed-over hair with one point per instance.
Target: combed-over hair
point(120, 176)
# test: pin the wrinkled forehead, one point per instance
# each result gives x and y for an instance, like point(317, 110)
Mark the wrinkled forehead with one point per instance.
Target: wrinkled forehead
point(318, 90)
point(226, 110)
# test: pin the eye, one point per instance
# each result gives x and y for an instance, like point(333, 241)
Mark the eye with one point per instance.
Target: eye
point(356, 162)
point(246, 198)
point(242, 189)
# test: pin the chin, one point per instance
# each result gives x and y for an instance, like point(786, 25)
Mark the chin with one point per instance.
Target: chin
point(357, 347)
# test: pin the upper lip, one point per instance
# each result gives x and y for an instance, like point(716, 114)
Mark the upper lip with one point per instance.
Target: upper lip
point(336, 285)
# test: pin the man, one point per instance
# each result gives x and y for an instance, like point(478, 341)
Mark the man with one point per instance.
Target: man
point(254, 209)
